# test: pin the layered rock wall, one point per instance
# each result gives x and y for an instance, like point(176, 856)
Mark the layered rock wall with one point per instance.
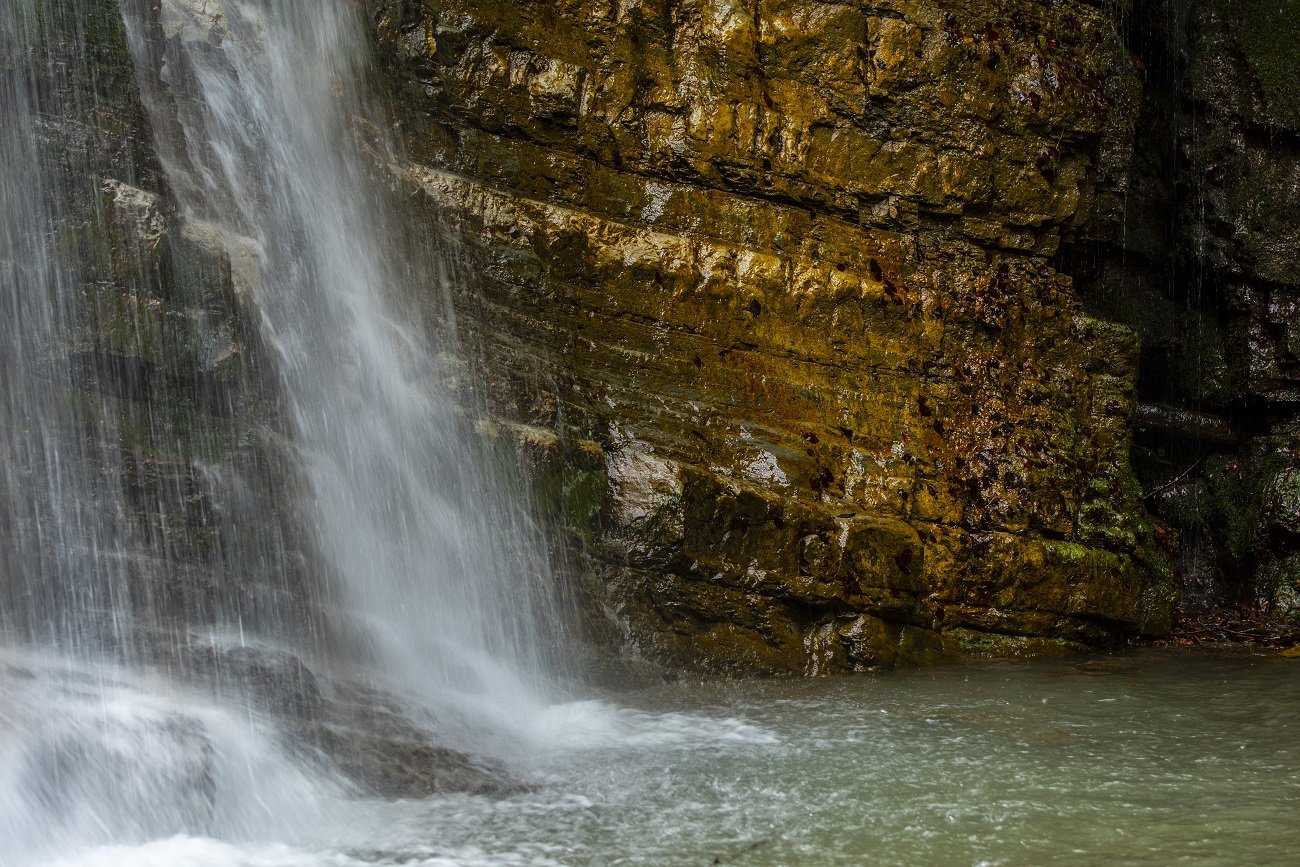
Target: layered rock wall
point(804, 314)
point(787, 269)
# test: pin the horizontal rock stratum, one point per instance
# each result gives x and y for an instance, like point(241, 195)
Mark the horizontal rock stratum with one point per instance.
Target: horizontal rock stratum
point(790, 265)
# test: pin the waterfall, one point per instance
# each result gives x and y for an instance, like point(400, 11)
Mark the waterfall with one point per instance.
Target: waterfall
point(93, 747)
point(122, 714)
point(265, 130)
point(59, 540)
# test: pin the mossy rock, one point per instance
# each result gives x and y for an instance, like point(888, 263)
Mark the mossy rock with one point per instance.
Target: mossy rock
point(1268, 32)
point(991, 645)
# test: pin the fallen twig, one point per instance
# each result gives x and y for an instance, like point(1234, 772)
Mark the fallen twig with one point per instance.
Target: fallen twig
point(1184, 474)
point(1220, 631)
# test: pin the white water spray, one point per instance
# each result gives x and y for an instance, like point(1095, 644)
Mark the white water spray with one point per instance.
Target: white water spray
point(428, 566)
point(261, 118)
point(96, 755)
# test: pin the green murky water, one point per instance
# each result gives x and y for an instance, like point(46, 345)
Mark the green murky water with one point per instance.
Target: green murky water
point(1158, 757)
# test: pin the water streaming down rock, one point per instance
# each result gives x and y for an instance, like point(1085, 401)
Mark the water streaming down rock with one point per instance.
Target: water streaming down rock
point(171, 666)
point(92, 747)
point(261, 122)
point(63, 582)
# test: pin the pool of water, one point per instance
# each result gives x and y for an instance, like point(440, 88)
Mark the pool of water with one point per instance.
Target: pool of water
point(1157, 757)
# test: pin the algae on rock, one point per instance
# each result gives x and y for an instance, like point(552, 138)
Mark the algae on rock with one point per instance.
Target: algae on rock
point(790, 264)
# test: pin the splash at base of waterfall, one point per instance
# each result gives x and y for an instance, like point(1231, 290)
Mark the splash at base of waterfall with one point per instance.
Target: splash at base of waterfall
point(95, 754)
point(1154, 757)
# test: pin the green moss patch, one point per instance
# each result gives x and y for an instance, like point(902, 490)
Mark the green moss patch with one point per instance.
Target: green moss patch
point(1269, 35)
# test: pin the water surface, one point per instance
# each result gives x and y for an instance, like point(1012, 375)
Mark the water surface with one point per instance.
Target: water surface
point(1160, 757)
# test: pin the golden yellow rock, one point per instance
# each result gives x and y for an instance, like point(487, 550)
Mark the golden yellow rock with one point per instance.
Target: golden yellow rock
point(787, 262)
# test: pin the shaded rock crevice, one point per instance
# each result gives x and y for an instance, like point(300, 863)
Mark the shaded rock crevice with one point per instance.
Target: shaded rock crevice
point(1205, 273)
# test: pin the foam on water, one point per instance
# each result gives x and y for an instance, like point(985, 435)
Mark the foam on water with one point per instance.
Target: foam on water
point(599, 724)
point(181, 851)
point(1160, 758)
point(1170, 759)
point(93, 754)
point(184, 851)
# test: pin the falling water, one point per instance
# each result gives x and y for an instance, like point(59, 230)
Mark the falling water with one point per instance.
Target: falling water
point(93, 747)
point(265, 131)
point(425, 566)
point(62, 576)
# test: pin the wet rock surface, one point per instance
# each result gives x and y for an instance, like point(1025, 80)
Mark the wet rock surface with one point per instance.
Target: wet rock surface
point(344, 723)
point(802, 314)
point(1207, 275)
point(790, 265)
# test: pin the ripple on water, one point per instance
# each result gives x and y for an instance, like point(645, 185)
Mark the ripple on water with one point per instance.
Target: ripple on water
point(1148, 758)
point(1194, 760)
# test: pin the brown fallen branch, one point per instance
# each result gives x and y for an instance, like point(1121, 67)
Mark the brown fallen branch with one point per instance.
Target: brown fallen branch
point(1169, 484)
point(1187, 424)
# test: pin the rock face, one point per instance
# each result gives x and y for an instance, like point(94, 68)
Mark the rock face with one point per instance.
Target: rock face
point(790, 266)
point(1208, 274)
point(823, 327)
